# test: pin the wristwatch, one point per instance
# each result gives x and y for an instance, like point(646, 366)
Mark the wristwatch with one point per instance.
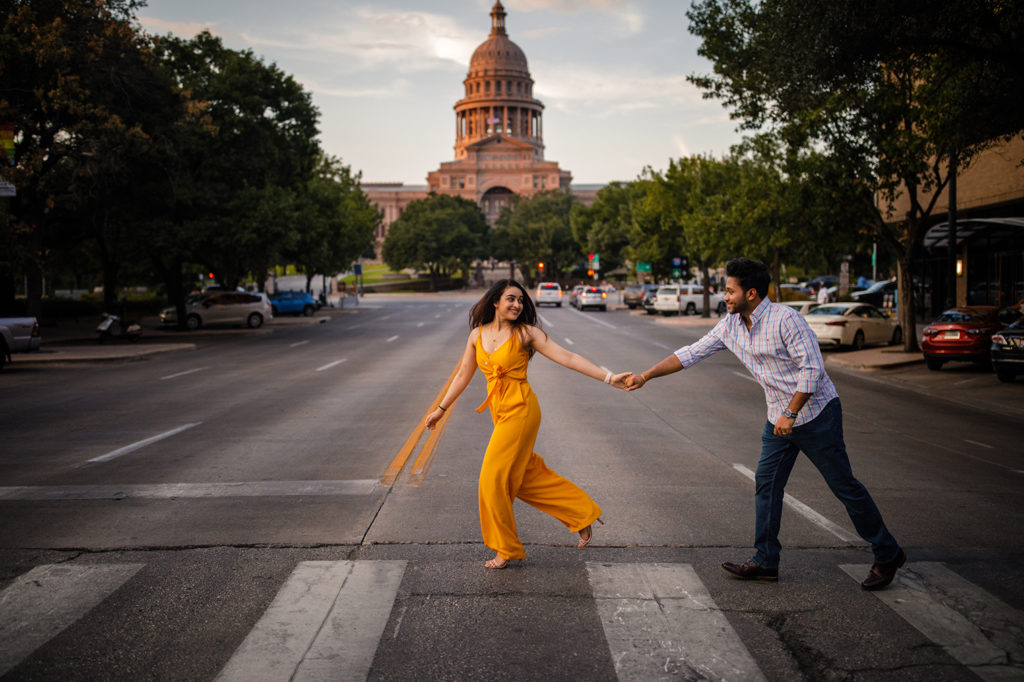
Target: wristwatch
point(789, 413)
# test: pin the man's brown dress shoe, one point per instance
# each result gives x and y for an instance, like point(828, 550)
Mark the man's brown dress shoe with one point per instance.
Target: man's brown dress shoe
point(882, 574)
point(750, 571)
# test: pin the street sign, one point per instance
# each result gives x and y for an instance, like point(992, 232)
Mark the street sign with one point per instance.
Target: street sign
point(357, 269)
point(7, 189)
point(643, 267)
point(597, 261)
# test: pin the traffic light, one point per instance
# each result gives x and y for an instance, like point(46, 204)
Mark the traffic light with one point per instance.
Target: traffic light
point(590, 273)
point(540, 266)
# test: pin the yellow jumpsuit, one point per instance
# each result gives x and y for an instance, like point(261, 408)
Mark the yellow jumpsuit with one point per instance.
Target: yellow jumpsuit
point(511, 468)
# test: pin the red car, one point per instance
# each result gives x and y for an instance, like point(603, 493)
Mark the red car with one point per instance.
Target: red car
point(964, 334)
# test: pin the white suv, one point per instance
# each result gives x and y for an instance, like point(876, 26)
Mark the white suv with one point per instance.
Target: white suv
point(673, 299)
point(550, 293)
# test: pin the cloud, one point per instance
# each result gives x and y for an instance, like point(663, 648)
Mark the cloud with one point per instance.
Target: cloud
point(178, 28)
point(680, 143)
point(397, 88)
point(568, 86)
point(410, 41)
point(631, 18)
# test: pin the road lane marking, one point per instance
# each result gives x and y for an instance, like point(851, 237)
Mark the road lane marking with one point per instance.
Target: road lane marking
point(569, 341)
point(299, 343)
point(984, 445)
point(420, 324)
point(331, 364)
point(746, 376)
point(142, 443)
point(324, 624)
point(971, 625)
point(392, 338)
point(808, 513)
point(398, 463)
point(43, 602)
point(544, 320)
point(181, 374)
point(661, 622)
point(595, 320)
point(168, 491)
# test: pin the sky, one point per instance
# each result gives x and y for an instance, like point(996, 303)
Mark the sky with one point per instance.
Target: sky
point(386, 74)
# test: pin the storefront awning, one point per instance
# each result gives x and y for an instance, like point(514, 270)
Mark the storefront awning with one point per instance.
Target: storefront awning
point(938, 235)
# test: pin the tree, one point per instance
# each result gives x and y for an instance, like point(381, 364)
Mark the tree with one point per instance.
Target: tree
point(537, 229)
point(604, 227)
point(439, 234)
point(67, 97)
point(333, 221)
point(900, 95)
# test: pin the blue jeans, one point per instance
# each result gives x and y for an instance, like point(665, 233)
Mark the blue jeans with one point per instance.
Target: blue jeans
point(821, 439)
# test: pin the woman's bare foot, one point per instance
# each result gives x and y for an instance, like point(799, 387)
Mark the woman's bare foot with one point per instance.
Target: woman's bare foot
point(497, 562)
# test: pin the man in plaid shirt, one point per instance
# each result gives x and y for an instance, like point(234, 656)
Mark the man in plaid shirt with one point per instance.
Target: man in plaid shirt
point(779, 349)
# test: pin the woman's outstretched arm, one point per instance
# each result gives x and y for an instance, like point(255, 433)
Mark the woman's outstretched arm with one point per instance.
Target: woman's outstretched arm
point(543, 344)
point(459, 383)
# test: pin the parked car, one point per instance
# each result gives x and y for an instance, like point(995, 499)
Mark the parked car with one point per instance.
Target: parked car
point(964, 334)
point(298, 302)
point(633, 296)
point(877, 293)
point(549, 293)
point(1007, 351)
point(812, 285)
point(592, 297)
point(250, 309)
point(650, 298)
point(686, 298)
point(802, 307)
point(854, 325)
point(18, 335)
point(574, 297)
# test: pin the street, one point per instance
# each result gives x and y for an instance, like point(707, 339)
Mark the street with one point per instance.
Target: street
point(262, 507)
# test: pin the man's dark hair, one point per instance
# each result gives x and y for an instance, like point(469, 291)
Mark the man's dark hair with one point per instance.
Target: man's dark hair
point(752, 274)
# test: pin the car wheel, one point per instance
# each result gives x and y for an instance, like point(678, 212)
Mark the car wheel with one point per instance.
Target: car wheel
point(897, 337)
point(650, 312)
point(604, 308)
point(558, 305)
point(691, 309)
point(934, 364)
point(193, 322)
point(254, 321)
point(1005, 377)
point(666, 313)
point(858, 341)
point(308, 310)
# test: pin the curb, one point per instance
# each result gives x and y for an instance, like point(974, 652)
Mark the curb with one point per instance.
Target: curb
point(99, 354)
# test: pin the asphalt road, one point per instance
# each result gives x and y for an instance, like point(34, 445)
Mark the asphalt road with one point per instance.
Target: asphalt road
point(256, 509)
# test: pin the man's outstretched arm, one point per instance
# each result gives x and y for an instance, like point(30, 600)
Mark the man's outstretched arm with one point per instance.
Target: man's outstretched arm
point(669, 365)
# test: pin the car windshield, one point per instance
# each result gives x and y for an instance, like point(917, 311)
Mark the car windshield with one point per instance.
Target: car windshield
point(668, 290)
point(961, 316)
point(548, 286)
point(877, 286)
point(829, 310)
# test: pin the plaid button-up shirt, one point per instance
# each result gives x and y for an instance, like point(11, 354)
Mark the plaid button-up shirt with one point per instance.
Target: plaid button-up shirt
point(779, 350)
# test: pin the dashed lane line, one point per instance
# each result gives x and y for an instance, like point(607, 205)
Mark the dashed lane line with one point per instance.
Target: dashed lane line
point(181, 374)
point(331, 364)
point(141, 444)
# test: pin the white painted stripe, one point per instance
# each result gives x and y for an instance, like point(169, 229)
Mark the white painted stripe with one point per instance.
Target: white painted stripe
point(661, 623)
point(331, 364)
point(163, 491)
point(299, 343)
point(420, 324)
point(141, 444)
point(324, 624)
point(569, 341)
point(385, 317)
point(43, 602)
point(974, 442)
point(181, 374)
point(744, 375)
point(808, 513)
point(392, 338)
point(661, 345)
point(595, 320)
point(545, 321)
point(971, 625)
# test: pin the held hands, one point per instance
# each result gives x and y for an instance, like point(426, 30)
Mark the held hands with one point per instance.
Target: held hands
point(621, 380)
point(635, 381)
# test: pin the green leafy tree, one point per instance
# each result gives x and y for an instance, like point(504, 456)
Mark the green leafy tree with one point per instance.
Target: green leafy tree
point(900, 95)
point(333, 221)
point(604, 227)
point(440, 234)
point(536, 229)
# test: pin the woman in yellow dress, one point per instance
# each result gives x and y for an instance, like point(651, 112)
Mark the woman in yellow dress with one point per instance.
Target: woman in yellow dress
point(503, 336)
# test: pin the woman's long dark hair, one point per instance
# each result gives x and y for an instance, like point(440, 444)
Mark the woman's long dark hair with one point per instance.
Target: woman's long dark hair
point(483, 310)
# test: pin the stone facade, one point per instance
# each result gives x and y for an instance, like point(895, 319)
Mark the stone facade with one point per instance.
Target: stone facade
point(499, 139)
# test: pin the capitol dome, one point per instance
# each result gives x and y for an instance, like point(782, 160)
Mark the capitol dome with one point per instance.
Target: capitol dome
point(498, 54)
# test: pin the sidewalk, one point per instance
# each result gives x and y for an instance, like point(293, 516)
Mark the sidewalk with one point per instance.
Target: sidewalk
point(76, 341)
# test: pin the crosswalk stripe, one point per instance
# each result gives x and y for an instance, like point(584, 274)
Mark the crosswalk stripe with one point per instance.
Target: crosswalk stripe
point(973, 626)
point(164, 491)
point(661, 623)
point(324, 623)
point(46, 600)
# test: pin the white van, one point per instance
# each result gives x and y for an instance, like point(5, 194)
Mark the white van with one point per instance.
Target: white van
point(673, 299)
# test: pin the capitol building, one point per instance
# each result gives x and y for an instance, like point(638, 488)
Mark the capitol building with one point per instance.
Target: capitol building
point(499, 139)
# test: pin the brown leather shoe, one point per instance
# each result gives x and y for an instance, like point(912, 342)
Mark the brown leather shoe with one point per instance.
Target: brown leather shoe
point(750, 571)
point(882, 574)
